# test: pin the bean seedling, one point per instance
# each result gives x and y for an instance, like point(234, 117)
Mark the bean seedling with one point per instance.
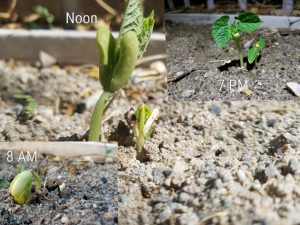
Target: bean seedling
point(118, 57)
point(141, 123)
point(29, 110)
point(223, 32)
point(21, 187)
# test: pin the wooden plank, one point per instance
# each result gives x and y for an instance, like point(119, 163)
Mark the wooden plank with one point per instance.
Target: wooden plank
point(269, 21)
point(94, 150)
point(66, 46)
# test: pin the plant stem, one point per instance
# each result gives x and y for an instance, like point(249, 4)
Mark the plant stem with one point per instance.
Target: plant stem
point(95, 127)
point(140, 140)
point(237, 42)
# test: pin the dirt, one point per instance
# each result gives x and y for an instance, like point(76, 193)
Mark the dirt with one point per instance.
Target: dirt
point(73, 192)
point(197, 69)
point(215, 163)
point(59, 92)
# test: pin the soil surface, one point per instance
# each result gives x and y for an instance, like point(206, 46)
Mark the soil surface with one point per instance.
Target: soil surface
point(215, 163)
point(73, 192)
point(197, 69)
point(60, 116)
point(59, 93)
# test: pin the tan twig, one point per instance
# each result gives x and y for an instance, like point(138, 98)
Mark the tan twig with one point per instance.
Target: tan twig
point(217, 214)
point(7, 14)
point(151, 58)
point(107, 7)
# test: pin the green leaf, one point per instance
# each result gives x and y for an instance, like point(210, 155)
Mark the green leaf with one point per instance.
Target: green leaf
point(145, 35)
point(134, 21)
point(253, 52)
point(249, 21)
point(23, 97)
point(41, 10)
point(221, 31)
point(133, 17)
point(31, 107)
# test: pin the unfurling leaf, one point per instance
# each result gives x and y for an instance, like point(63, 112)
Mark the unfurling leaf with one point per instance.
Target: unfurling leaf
point(134, 21)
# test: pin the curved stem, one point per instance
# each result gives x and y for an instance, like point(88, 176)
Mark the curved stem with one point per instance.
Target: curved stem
point(237, 42)
point(140, 140)
point(95, 127)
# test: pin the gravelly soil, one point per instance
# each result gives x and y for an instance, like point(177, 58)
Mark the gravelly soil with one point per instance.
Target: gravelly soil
point(216, 163)
point(58, 92)
point(74, 193)
point(191, 51)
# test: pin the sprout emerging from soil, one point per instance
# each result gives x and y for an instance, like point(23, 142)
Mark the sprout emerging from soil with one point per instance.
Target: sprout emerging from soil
point(142, 122)
point(20, 188)
point(30, 108)
point(248, 22)
point(118, 57)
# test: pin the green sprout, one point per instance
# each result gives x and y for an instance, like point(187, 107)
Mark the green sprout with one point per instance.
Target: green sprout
point(223, 32)
point(44, 13)
point(119, 57)
point(30, 106)
point(141, 123)
point(4, 183)
point(21, 187)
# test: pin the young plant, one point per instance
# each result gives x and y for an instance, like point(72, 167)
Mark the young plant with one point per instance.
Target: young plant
point(118, 57)
point(21, 186)
point(44, 13)
point(223, 32)
point(141, 123)
point(30, 105)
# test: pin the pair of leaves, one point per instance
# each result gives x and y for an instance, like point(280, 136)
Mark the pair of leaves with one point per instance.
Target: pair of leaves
point(222, 31)
point(253, 51)
point(118, 58)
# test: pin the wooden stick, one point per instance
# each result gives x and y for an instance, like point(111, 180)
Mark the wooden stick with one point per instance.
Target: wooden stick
point(97, 150)
point(107, 7)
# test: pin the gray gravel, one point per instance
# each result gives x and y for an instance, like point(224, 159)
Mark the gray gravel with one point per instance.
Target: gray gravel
point(73, 192)
point(216, 163)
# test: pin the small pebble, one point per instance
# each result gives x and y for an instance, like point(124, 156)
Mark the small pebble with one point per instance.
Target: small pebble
point(188, 218)
point(225, 175)
point(241, 176)
point(187, 93)
point(64, 219)
point(184, 197)
point(165, 215)
point(293, 166)
point(271, 171)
